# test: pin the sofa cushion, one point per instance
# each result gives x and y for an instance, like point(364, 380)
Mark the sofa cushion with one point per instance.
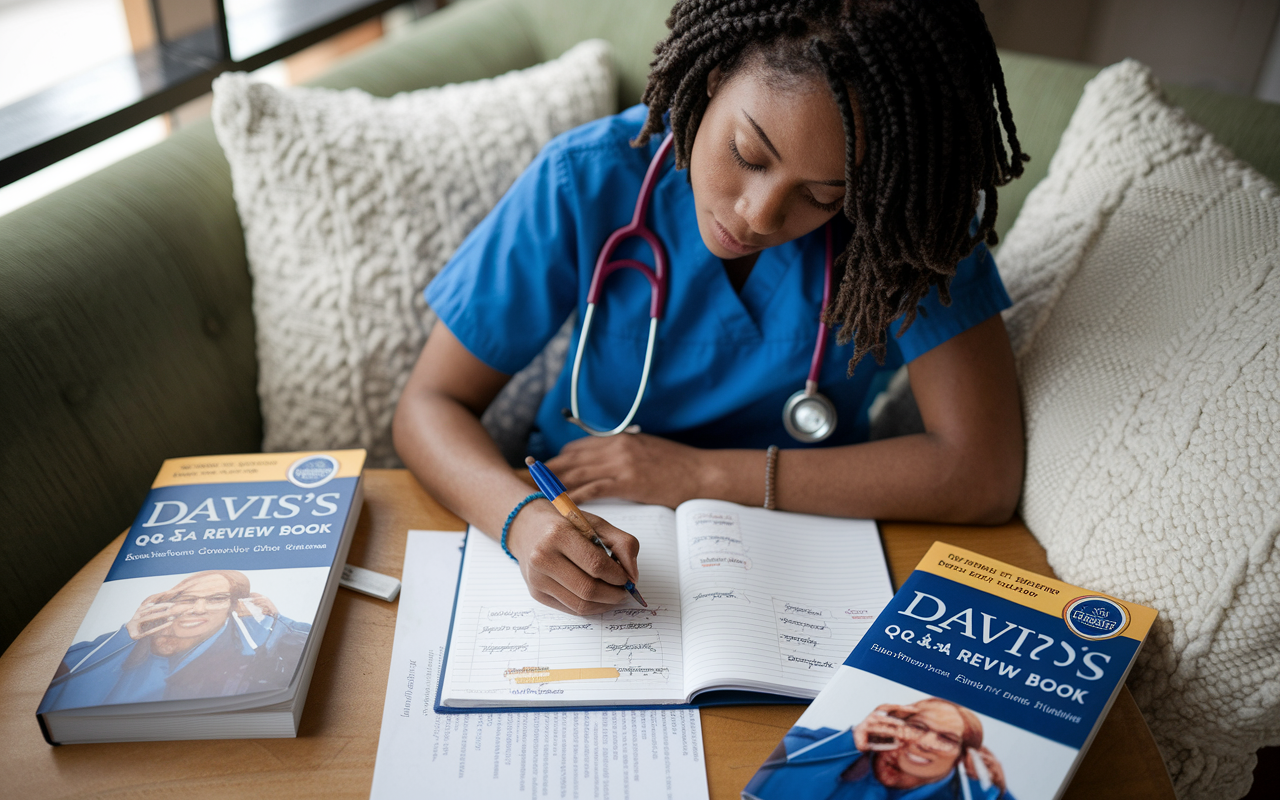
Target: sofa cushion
point(1145, 274)
point(350, 204)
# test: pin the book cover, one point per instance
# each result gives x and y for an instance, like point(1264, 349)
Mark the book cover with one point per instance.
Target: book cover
point(978, 680)
point(219, 584)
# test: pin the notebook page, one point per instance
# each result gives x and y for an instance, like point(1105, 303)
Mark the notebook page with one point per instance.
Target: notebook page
point(774, 601)
point(508, 649)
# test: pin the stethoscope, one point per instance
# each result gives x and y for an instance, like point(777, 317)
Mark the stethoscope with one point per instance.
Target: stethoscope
point(808, 415)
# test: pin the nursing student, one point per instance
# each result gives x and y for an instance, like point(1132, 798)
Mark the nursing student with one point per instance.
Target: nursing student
point(879, 127)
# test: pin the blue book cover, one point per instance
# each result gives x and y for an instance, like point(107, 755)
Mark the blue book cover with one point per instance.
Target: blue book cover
point(220, 587)
point(979, 680)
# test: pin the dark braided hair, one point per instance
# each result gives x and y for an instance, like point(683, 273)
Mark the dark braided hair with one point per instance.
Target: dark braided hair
point(932, 104)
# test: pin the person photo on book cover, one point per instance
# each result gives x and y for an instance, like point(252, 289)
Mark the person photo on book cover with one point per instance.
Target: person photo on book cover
point(199, 639)
point(928, 750)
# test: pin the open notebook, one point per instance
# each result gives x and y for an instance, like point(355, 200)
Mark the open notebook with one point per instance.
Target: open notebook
point(740, 598)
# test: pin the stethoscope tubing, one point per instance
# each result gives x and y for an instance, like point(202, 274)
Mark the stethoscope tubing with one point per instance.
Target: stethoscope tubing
point(577, 367)
point(656, 276)
point(820, 349)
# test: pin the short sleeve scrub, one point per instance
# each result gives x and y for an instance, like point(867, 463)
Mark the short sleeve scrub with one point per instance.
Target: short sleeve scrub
point(725, 362)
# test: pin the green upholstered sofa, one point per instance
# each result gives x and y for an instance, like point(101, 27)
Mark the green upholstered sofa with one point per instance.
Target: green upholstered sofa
point(126, 332)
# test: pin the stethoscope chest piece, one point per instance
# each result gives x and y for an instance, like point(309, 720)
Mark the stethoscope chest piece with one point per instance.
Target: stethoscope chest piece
point(809, 416)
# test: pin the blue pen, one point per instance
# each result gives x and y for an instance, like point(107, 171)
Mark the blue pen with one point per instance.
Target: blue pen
point(551, 486)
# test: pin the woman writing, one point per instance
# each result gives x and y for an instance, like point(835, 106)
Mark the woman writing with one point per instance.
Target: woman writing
point(848, 150)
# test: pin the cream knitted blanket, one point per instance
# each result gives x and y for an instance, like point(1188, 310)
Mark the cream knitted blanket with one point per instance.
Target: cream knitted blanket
point(1146, 325)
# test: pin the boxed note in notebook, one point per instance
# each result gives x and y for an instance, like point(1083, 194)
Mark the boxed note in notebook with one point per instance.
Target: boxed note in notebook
point(209, 622)
point(978, 680)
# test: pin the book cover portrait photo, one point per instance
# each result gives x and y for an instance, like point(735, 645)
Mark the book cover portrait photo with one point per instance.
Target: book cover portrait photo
point(211, 633)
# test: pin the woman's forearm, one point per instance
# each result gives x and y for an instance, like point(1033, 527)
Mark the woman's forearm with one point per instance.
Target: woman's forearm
point(967, 467)
point(917, 477)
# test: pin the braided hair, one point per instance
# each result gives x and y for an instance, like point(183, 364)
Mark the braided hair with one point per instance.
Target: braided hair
point(932, 104)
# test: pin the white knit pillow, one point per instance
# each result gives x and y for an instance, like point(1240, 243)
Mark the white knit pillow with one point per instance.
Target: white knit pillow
point(351, 203)
point(1145, 273)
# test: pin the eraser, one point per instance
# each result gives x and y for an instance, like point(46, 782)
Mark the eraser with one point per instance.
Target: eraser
point(374, 584)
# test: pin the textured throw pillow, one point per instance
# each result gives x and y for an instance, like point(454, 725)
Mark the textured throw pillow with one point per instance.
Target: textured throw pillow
point(351, 203)
point(1145, 273)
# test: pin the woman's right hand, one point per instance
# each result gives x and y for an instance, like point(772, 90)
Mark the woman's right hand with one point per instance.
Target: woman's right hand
point(885, 721)
point(150, 618)
point(564, 569)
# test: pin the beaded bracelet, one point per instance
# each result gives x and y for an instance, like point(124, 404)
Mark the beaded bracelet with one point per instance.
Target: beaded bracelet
point(771, 477)
point(506, 526)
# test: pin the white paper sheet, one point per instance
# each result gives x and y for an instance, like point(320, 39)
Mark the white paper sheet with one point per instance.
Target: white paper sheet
point(544, 754)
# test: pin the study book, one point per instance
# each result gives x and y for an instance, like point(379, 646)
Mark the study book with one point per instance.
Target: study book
point(741, 599)
point(979, 680)
point(208, 624)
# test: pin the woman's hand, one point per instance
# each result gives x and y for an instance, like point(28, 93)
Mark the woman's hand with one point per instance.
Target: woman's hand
point(150, 618)
point(564, 569)
point(631, 466)
point(885, 722)
point(992, 764)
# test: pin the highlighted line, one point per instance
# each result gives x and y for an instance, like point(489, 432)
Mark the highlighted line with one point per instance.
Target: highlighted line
point(553, 675)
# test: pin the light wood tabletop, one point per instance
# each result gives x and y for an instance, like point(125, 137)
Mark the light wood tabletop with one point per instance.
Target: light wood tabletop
point(334, 753)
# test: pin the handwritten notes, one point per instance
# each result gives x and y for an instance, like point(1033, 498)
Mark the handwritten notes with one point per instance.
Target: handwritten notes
point(812, 636)
point(770, 597)
point(715, 540)
point(740, 598)
point(510, 646)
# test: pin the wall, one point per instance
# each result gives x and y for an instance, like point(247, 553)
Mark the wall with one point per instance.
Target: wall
point(1225, 45)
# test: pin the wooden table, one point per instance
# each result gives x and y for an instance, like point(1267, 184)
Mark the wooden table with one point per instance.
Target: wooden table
point(334, 753)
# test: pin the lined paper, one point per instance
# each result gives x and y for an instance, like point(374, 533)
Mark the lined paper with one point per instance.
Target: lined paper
point(774, 601)
point(508, 648)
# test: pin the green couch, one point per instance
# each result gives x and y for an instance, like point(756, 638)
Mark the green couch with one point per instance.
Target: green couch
point(126, 332)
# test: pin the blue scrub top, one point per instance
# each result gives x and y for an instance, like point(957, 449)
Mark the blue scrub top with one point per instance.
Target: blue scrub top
point(724, 363)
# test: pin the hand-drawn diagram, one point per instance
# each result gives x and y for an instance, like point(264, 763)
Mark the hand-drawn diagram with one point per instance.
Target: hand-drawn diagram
point(715, 540)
